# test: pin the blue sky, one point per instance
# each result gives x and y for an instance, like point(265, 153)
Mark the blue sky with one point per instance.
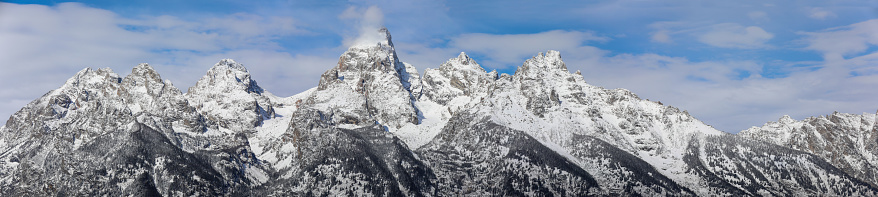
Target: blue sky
point(731, 64)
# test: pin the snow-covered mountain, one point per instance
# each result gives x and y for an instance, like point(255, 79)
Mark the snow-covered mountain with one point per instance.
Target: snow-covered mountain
point(374, 126)
point(847, 141)
point(100, 134)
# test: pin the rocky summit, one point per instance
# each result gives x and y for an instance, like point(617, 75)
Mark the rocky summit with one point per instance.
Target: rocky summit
point(374, 126)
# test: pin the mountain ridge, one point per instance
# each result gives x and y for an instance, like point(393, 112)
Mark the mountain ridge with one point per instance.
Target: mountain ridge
point(375, 126)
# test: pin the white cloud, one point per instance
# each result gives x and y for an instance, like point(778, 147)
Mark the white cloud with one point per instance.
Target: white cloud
point(280, 73)
point(511, 49)
point(665, 29)
point(42, 46)
point(713, 91)
point(422, 56)
point(837, 42)
point(731, 35)
point(661, 36)
point(758, 16)
point(367, 21)
point(820, 13)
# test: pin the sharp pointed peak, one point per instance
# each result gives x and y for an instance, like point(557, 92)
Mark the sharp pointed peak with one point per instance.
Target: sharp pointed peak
point(551, 60)
point(92, 76)
point(83, 71)
point(227, 73)
point(368, 39)
point(551, 55)
point(229, 64)
point(143, 68)
point(90, 72)
point(462, 61)
point(227, 61)
point(463, 55)
point(141, 72)
point(143, 65)
point(786, 119)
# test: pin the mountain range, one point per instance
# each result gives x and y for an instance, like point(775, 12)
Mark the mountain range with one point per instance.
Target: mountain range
point(375, 126)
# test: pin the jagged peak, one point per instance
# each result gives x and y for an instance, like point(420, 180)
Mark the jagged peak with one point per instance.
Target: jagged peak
point(144, 76)
point(462, 61)
point(462, 55)
point(229, 64)
point(87, 72)
point(231, 67)
point(144, 70)
point(227, 72)
point(86, 82)
point(371, 52)
point(377, 55)
point(551, 60)
point(786, 119)
point(368, 40)
point(143, 66)
point(89, 75)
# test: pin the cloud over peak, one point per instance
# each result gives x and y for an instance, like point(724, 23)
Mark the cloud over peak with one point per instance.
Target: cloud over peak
point(367, 22)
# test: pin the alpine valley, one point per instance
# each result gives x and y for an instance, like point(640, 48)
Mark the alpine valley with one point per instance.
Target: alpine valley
point(375, 126)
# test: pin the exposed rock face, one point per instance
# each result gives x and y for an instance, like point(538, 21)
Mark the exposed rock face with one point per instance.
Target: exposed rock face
point(374, 127)
point(474, 156)
point(334, 161)
point(558, 108)
point(147, 137)
point(375, 73)
point(654, 142)
point(732, 165)
point(336, 141)
point(227, 96)
point(847, 141)
point(457, 77)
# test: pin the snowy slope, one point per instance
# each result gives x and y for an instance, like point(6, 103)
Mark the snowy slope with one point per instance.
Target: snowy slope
point(374, 73)
point(140, 129)
point(459, 83)
point(561, 111)
point(847, 141)
point(227, 95)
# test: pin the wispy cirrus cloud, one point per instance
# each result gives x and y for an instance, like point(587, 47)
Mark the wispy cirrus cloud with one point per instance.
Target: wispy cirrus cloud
point(730, 35)
point(835, 43)
point(723, 35)
point(820, 13)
